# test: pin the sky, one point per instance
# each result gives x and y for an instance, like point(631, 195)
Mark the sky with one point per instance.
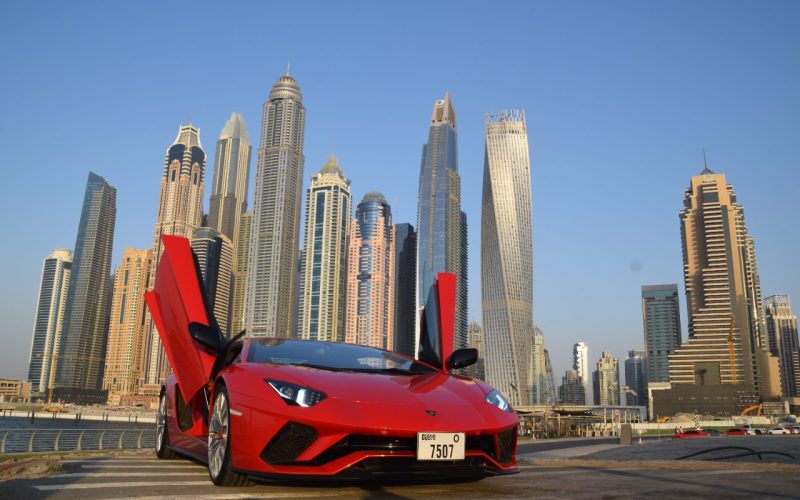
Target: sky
point(621, 99)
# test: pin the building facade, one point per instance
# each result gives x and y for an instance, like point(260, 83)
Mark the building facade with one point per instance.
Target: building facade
point(571, 390)
point(606, 381)
point(476, 341)
point(327, 228)
point(81, 359)
point(441, 225)
point(231, 172)
point(180, 212)
point(723, 294)
point(125, 356)
point(580, 363)
point(405, 274)
point(507, 256)
point(636, 378)
point(661, 318)
point(370, 316)
point(782, 336)
point(537, 381)
point(272, 267)
point(242, 253)
point(49, 320)
point(214, 253)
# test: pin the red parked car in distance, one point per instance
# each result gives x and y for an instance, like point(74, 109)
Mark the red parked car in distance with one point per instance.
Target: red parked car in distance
point(736, 431)
point(690, 433)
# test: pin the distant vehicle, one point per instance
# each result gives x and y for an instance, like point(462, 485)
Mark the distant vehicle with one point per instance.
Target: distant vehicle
point(779, 430)
point(794, 427)
point(736, 431)
point(753, 431)
point(691, 433)
point(713, 432)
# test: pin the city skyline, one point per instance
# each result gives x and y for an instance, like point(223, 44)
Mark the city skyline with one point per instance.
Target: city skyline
point(731, 87)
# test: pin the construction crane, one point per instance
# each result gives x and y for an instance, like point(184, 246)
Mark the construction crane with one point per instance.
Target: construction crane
point(731, 352)
point(758, 408)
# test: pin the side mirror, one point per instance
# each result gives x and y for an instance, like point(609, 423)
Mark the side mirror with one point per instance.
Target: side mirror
point(207, 336)
point(462, 358)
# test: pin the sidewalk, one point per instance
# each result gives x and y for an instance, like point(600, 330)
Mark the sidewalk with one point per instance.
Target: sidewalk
point(565, 453)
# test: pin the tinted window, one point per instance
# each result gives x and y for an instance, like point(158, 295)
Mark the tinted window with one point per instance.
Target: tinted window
point(331, 356)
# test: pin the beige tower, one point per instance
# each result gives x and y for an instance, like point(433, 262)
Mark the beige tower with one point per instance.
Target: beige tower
point(214, 253)
point(326, 233)
point(126, 328)
point(242, 249)
point(180, 212)
point(723, 294)
point(370, 275)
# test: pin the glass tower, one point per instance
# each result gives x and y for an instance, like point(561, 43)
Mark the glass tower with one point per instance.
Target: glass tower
point(405, 274)
point(441, 225)
point(636, 378)
point(231, 173)
point(662, 328)
point(782, 335)
point(507, 257)
point(83, 341)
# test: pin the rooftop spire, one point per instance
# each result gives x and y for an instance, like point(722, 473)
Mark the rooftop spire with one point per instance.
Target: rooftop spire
point(706, 170)
point(288, 65)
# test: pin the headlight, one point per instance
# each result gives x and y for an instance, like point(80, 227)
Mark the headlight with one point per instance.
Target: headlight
point(296, 395)
point(498, 400)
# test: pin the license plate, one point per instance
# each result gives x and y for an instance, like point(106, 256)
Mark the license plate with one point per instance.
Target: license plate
point(440, 445)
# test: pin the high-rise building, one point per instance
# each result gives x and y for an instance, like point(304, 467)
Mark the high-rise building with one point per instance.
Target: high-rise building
point(723, 294)
point(214, 253)
point(242, 249)
point(552, 389)
point(580, 363)
point(507, 255)
point(782, 336)
point(537, 373)
point(125, 356)
point(81, 360)
point(49, 320)
point(662, 328)
point(571, 390)
point(370, 275)
point(272, 267)
point(441, 225)
point(405, 274)
point(478, 370)
point(180, 212)
point(231, 173)
point(606, 381)
point(327, 230)
point(636, 378)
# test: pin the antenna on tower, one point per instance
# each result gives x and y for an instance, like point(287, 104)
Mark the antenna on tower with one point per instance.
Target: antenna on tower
point(288, 67)
point(705, 162)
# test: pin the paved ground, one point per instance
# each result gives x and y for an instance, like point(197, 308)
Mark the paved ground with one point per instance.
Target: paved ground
point(142, 476)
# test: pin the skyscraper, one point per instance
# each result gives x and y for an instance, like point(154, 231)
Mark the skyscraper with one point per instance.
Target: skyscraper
point(125, 356)
point(272, 267)
point(507, 255)
point(571, 390)
point(722, 293)
point(441, 225)
point(782, 335)
point(537, 373)
point(180, 212)
point(326, 232)
point(636, 378)
point(370, 274)
point(580, 363)
point(478, 370)
point(49, 319)
point(405, 307)
point(662, 328)
point(214, 253)
point(231, 173)
point(606, 381)
point(242, 249)
point(83, 341)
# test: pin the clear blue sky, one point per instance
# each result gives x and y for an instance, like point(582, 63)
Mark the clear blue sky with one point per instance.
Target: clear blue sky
point(620, 97)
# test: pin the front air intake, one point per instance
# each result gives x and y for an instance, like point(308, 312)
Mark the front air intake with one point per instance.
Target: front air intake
point(506, 442)
point(288, 444)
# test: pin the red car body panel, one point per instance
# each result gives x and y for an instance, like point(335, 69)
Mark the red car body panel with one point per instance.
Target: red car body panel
point(365, 418)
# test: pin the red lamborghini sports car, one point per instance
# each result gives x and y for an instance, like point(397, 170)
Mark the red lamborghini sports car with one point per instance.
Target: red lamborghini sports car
point(300, 409)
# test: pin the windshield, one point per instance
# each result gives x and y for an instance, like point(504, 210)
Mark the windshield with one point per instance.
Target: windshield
point(332, 356)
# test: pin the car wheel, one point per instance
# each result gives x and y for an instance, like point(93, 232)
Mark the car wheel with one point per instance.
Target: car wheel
point(162, 433)
point(219, 443)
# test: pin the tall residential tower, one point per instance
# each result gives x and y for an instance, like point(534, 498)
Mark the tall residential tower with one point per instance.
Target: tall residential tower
point(272, 267)
point(661, 317)
point(507, 256)
point(782, 336)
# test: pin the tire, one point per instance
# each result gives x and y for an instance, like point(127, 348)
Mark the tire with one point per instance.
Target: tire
point(162, 431)
point(220, 469)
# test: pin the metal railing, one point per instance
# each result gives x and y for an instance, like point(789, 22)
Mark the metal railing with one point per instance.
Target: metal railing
point(39, 440)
